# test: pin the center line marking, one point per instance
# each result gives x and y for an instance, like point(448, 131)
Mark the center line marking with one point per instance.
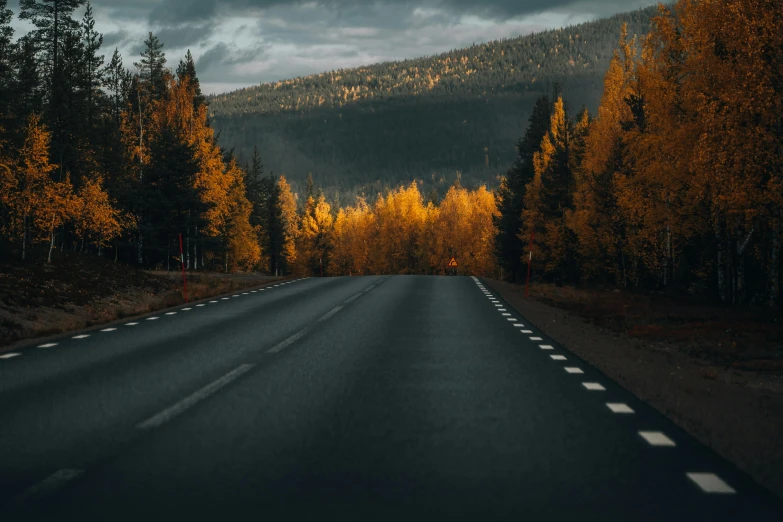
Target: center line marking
point(710, 483)
point(82, 336)
point(202, 304)
point(331, 313)
point(573, 369)
point(656, 438)
point(203, 393)
point(288, 341)
point(505, 314)
point(369, 288)
point(171, 313)
point(546, 346)
point(558, 357)
point(131, 324)
point(536, 339)
point(213, 301)
point(152, 318)
point(594, 386)
point(108, 329)
point(526, 331)
point(9, 355)
point(187, 309)
point(619, 407)
point(47, 345)
point(224, 298)
point(49, 484)
point(355, 296)
point(519, 325)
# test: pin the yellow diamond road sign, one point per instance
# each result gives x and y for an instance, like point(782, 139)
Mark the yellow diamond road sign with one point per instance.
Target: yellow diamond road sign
point(453, 262)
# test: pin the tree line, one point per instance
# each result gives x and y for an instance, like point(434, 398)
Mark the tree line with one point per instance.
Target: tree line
point(676, 182)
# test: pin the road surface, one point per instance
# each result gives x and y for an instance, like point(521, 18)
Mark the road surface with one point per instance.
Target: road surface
point(354, 398)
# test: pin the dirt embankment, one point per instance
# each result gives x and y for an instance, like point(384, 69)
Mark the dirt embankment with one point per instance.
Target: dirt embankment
point(714, 371)
point(80, 291)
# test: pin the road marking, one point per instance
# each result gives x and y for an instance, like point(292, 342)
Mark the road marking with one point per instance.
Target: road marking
point(262, 289)
point(49, 484)
point(253, 291)
point(187, 309)
point(131, 324)
point(500, 309)
point(108, 329)
point(527, 331)
point(9, 355)
point(546, 346)
point(505, 314)
point(224, 298)
point(519, 325)
point(619, 407)
point(536, 339)
point(594, 386)
point(288, 341)
point(237, 295)
point(512, 319)
point(656, 438)
point(244, 293)
point(354, 296)
point(558, 357)
point(47, 345)
point(277, 285)
point(202, 304)
point(171, 313)
point(203, 393)
point(82, 336)
point(370, 288)
point(573, 369)
point(710, 483)
point(152, 318)
point(213, 301)
point(330, 313)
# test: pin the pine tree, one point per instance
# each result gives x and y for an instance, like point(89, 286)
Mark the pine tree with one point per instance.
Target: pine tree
point(187, 69)
point(152, 66)
point(92, 74)
point(6, 63)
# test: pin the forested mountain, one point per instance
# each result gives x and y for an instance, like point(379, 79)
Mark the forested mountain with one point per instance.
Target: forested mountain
point(427, 118)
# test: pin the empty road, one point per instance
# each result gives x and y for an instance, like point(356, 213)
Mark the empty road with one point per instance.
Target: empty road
point(354, 398)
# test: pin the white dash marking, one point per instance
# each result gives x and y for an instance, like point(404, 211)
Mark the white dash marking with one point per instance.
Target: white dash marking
point(519, 325)
point(593, 386)
point(573, 369)
point(288, 341)
point(619, 407)
point(244, 293)
point(330, 313)
point(512, 319)
point(253, 291)
point(527, 331)
point(187, 309)
point(354, 296)
point(9, 355)
point(171, 313)
point(237, 295)
point(213, 301)
point(82, 336)
point(203, 393)
point(224, 298)
point(500, 309)
point(202, 304)
point(370, 288)
point(546, 346)
point(710, 483)
point(536, 339)
point(108, 329)
point(152, 318)
point(131, 324)
point(558, 357)
point(505, 314)
point(656, 438)
point(49, 484)
point(47, 345)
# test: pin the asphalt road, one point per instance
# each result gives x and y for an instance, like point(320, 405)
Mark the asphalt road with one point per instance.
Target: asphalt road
point(355, 398)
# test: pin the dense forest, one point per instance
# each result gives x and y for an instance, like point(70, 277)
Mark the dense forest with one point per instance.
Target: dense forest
point(361, 130)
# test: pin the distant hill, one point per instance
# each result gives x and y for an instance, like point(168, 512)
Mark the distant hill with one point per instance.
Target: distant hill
point(358, 130)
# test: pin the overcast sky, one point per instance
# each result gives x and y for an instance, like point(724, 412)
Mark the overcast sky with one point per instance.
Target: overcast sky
point(237, 43)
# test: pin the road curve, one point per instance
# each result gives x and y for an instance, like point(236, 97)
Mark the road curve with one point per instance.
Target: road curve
point(354, 398)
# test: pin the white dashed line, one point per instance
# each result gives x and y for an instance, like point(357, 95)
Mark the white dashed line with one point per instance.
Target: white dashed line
point(593, 386)
point(171, 313)
point(9, 355)
point(187, 309)
point(710, 483)
point(619, 407)
point(213, 301)
point(152, 318)
point(656, 438)
point(536, 339)
point(527, 331)
point(131, 324)
point(573, 369)
point(108, 329)
point(253, 291)
point(330, 313)
point(558, 357)
point(288, 341)
point(244, 293)
point(202, 304)
point(354, 296)
point(546, 346)
point(82, 336)
point(237, 295)
point(49, 484)
point(224, 298)
point(505, 314)
point(203, 393)
point(512, 319)
point(47, 345)
point(501, 309)
point(519, 325)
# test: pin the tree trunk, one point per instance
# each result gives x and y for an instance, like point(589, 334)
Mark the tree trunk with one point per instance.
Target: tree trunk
point(741, 247)
point(51, 243)
point(140, 248)
point(24, 237)
point(773, 276)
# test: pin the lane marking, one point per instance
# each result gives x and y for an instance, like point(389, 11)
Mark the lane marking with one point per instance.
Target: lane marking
point(202, 304)
point(527, 331)
point(108, 329)
point(619, 407)
point(558, 357)
point(656, 438)
point(519, 325)
point(9, 355)
point(152, 318)
point(187, 309)
point(546, 346)
point(512, 319)
point(370, 288)
point(49, 484)
point(593, 386)
point(131, 324)
point(213, 301)
point(330, 313)
point(501, 309)
point(82, 336)
point(237, 295)
point(172, 411)
point(224, 298)
point(171, 313)
point(47, 345)
point(573, 369)
point(355, 296)
point(288, 341)
point(710, 483)
point(253, 291)
point(505, 314)
point(536, 339)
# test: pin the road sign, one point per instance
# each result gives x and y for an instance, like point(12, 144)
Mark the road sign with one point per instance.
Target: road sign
point(452, 263)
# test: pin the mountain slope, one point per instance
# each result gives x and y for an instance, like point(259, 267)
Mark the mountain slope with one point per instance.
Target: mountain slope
point(426, 118)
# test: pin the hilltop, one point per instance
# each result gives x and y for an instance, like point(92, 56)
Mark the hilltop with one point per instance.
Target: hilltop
point(358, 130)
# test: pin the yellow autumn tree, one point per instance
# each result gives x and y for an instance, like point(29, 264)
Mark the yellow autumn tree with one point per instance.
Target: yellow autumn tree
point(400, 218)
point(95, 218)
point(314, 239)
point(290, 221)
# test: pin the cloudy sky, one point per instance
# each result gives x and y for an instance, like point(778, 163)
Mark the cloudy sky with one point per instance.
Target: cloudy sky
point(237, 43)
